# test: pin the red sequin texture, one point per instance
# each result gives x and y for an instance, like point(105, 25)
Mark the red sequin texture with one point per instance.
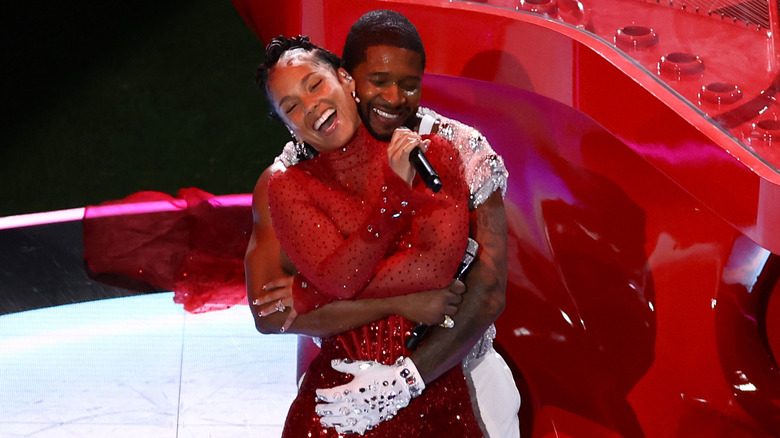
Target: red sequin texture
point(443, 410)
point(337, 218)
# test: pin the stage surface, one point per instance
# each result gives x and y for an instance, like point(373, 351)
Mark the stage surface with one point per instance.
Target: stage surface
point(141, 366)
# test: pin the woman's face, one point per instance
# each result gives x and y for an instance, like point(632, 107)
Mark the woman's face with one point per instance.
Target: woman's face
point(313, 100)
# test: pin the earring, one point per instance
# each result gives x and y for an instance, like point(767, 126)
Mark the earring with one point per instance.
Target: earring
point(354, 96)
point(298, 142)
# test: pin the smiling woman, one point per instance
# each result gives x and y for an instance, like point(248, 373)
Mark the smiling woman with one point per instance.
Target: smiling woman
point(312, 96)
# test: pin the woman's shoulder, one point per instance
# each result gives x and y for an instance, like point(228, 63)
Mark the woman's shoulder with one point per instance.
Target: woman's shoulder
point(442, 147)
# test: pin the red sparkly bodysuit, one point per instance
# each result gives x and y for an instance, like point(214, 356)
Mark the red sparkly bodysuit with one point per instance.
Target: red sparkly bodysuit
point(356, 230)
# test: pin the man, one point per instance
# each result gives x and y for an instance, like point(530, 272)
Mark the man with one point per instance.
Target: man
point(385, 56)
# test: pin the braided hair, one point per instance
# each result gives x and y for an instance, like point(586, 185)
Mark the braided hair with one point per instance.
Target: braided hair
point(281, 44)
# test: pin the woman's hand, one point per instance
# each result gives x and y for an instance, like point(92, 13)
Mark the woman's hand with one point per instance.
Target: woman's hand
point(429, 307)
point(278, 297)
point(401, 144)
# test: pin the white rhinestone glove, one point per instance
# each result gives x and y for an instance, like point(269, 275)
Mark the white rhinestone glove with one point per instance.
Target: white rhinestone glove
point(375, 394)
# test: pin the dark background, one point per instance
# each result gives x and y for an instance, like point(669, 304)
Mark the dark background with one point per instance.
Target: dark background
point(103, 99)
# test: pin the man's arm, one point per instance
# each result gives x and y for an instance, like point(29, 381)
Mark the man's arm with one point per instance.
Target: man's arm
point(263, 260)
point(483, 301)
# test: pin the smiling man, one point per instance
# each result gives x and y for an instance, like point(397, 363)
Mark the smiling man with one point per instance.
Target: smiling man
point(390, 84)
point(385, 55)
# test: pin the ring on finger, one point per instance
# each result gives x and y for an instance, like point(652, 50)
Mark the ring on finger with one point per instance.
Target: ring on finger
point(448, 322)
point(280, 307)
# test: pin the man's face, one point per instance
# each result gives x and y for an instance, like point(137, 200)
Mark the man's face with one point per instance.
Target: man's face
point(389, 84)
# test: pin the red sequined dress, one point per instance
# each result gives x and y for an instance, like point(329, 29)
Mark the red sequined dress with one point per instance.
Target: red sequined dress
point(356, 230)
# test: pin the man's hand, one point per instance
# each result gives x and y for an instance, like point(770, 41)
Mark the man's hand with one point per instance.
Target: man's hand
point(375, 394)
point(430, 307)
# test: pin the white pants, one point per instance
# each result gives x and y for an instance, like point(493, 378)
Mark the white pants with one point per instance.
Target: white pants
point(497, 400)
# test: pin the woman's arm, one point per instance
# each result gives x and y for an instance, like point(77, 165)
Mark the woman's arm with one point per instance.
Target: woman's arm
point(264, 265)
point(336, 264)
point(341, 265)
point(429, 255)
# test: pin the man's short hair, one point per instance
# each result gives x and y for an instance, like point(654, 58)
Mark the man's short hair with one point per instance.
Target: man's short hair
point(380, 28)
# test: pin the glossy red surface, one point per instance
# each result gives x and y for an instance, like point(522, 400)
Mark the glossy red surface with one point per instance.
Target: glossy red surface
point(644, 240)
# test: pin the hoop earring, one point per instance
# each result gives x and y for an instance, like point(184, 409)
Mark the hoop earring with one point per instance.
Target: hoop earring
point(354, 96)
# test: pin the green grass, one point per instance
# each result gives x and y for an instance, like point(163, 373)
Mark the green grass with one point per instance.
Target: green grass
point(103, 99)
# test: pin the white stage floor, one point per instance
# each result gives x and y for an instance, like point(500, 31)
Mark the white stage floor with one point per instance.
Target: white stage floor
point(141, 366)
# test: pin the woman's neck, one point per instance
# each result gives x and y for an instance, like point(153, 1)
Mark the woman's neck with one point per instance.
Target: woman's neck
point(355, 152)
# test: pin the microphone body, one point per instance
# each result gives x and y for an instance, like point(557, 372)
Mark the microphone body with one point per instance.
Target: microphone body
point(417, 157)
point(425, 170)
point(465, 264)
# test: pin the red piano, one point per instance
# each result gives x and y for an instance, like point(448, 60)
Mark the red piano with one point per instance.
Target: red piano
point(643, 144)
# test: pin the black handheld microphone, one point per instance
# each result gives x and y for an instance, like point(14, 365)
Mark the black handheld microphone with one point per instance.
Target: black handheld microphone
point(465, 264)
point(424, 169)
point(418, 160)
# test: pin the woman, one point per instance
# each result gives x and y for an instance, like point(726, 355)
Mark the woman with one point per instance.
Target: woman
point(358, 225)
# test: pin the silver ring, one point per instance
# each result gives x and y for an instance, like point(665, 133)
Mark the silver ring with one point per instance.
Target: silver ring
point(448, 322)
point(280, 307)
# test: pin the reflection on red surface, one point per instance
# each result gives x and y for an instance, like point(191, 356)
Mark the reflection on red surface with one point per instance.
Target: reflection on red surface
point(644, 238)
point(632, 309)
point(579, 323)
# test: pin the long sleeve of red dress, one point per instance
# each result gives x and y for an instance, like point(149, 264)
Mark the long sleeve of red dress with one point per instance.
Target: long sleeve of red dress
point(354, 229)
